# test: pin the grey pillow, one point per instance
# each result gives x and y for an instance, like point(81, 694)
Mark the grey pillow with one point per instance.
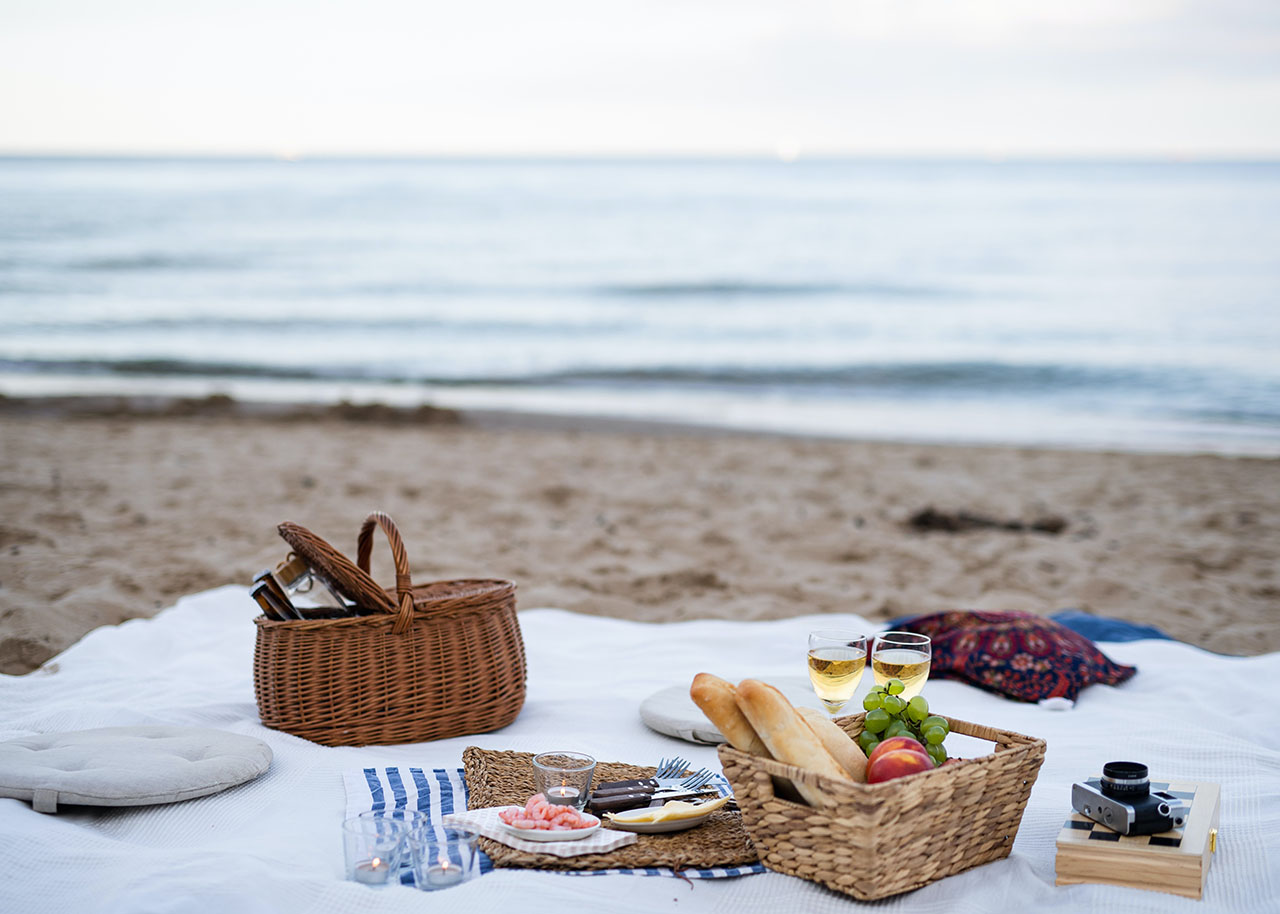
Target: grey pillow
point(671, 711)
point(127, 766)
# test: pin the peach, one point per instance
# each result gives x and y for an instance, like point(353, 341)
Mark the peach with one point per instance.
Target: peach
point(897, 763)
point(896, 742)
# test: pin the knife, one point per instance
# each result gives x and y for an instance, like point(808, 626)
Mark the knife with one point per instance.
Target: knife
point(668, 793)
point(637, 784)
point(617, 802)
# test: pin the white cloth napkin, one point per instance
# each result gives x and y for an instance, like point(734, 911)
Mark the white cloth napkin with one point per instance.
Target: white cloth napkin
point(486, 822)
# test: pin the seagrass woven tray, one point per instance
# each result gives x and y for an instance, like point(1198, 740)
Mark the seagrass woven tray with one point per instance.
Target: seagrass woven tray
point(499, 778)
point(883, 839)
point(424, 662)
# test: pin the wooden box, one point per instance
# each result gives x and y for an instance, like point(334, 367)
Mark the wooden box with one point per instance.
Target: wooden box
point(1174, 861)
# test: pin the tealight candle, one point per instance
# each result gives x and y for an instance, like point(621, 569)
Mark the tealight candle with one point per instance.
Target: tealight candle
point(443, 875)
point(372, 848)
point(564, 778)
point(563, 795)
point(442, 858)
point(372, 872)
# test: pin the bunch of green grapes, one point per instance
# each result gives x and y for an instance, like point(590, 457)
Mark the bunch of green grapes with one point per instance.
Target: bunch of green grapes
point(889, 715)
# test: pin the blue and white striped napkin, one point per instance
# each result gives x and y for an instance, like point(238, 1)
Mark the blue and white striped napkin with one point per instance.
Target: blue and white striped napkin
point(438, 792)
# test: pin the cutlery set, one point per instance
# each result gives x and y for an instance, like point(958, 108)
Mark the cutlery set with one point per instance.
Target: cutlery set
point(668, 783)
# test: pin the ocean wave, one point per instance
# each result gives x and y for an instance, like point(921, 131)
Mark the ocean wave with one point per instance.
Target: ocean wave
point(711, 290)
point(742, 288)
point(143, 262)
point(1229, 416)
point(168, 367)
point(315, 326)
point(986, 377)
point(904, 377)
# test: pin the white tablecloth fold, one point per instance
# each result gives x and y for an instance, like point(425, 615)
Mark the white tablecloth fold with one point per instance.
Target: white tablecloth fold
point(486, 822)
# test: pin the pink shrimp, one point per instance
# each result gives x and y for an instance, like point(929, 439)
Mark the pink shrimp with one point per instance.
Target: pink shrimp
point(538, 814)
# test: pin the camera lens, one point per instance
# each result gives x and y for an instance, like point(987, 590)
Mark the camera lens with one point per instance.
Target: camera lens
point(1125, 779)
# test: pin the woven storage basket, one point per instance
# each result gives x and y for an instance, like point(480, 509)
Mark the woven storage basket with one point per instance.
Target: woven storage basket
point(883, 839)
point(430, 661)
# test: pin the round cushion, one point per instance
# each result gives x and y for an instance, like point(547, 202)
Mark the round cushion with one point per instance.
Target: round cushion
point(127, 766)
point(671, 711)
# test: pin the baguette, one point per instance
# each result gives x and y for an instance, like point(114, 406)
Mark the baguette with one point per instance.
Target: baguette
point(837, 742)
point(788, 737)
point(716, 698)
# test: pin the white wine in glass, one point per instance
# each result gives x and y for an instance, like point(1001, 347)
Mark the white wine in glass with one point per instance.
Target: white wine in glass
point(904, 656)
point(836, 663)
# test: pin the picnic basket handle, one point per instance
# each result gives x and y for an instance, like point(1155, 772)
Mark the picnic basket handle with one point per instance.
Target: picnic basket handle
point(404, 586)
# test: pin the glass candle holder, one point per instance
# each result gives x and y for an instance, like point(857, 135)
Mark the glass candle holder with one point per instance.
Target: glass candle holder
point(409, 819)
point(564, 778)
point(374, 847)
point(442, 858)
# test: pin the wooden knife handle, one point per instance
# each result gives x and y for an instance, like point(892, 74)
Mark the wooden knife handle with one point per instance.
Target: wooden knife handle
point(633, 785)
point(617, 802)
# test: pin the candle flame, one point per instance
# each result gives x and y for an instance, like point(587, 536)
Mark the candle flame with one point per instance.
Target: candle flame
point(376, 862)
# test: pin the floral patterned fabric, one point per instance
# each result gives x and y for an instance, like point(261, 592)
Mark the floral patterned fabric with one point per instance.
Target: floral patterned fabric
point(1016, 654)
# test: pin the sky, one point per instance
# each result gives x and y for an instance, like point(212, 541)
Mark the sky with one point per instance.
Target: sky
point(1091, 78)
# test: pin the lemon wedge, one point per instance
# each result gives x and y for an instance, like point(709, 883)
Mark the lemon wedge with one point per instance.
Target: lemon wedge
point(672, 809)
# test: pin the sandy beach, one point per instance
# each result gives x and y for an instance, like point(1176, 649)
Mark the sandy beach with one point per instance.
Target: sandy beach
point(113, 511)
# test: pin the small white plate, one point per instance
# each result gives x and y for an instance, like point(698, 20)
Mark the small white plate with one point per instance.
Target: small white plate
point(538, 834)
point(660, 828)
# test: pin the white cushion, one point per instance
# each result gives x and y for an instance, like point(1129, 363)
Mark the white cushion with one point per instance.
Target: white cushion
point(127, 766)
point(671, 711)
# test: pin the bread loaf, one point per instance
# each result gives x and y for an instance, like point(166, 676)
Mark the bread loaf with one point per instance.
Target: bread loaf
point(716, 698)
point(788, 737)
point(837, 742)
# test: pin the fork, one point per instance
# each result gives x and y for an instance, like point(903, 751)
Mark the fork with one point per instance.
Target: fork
point(668, 777)
point(670, 773)
point(670, 768)
point(698, 779)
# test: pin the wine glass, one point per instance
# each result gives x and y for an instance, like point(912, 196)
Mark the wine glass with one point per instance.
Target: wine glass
point(904, 656)
point(836, 662)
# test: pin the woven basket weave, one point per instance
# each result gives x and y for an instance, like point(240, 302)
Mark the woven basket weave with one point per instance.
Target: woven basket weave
point(430, 661)
point(883, 839)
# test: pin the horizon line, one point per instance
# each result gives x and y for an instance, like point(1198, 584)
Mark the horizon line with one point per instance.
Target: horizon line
point(1259, 157)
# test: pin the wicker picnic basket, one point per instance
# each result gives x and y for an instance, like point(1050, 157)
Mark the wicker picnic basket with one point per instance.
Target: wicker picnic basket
point(430, 661)
point(884, 839)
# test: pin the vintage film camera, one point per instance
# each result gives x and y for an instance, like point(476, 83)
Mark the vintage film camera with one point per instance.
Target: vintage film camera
point(1122, 800)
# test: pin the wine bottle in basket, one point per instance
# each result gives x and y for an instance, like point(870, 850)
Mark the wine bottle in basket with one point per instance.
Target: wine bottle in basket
point(271, 599)
point(311, 595)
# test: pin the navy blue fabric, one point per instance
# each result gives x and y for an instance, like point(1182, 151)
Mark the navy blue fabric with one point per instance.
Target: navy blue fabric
point(1101, 628)
point(1095, 628)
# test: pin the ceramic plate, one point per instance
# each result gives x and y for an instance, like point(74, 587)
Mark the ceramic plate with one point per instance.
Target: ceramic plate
point(534, 834)
point(660, 828)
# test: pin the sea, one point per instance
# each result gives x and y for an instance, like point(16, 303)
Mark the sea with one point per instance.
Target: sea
point(1118, 305)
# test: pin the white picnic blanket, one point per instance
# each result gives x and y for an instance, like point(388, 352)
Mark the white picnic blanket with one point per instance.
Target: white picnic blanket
point(274, 844)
